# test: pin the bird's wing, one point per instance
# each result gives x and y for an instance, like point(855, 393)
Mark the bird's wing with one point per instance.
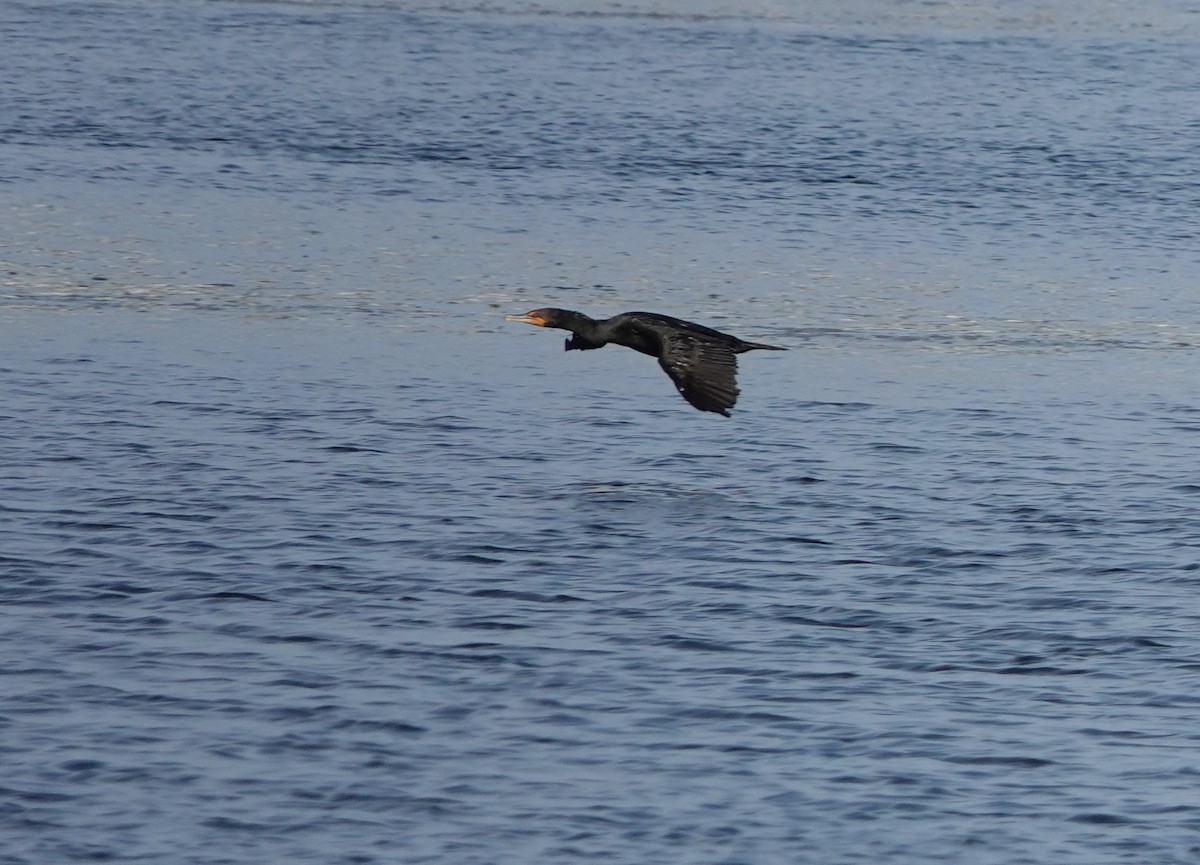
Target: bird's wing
point(703, 370)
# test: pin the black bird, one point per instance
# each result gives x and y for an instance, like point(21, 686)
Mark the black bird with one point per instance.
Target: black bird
point(701, 361)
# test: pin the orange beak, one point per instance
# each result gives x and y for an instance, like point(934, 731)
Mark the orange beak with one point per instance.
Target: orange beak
point(527, 318)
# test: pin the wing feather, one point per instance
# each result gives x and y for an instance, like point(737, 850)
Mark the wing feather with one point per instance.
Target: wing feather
point(704, 370)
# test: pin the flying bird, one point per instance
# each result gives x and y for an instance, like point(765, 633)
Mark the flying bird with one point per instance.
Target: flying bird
point(701, 361)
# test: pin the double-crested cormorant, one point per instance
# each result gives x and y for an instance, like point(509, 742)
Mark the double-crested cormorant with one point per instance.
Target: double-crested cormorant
point(701, 361)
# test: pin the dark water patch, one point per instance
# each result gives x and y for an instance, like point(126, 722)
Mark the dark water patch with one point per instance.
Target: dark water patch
point(511, 594)
point(1096, 819)
point(292, 638)
point(86, 525)
point(726, 586)
point(306, 684)
point(82, 768)
point(37, 797)
point(81, 552)
point(468, 558)
point(731, 715)
point(823, 623)
point(1117, 734)
point(237, 596)
point(806, 541)
point(1040, 670)
point(231, 824)
point(399, 727)
point(896, 447)
point(492, 625)
point(1011, 762)
point(695, 644)
point(123, 588)
point(334, 568)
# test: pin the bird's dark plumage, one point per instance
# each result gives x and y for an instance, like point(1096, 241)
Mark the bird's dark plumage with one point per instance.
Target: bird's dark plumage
point(701, 361)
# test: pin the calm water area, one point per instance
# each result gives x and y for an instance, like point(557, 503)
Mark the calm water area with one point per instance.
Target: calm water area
point(308, 556)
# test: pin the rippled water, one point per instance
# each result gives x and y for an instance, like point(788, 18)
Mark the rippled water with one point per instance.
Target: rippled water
point(308, 556)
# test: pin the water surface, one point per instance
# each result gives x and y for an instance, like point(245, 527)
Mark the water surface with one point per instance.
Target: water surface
point(308, 556)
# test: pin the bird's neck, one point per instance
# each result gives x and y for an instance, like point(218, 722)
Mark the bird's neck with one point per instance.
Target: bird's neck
point(586, 329)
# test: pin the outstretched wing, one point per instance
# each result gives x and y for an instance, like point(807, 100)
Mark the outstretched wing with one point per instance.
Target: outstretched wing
point(703, 370)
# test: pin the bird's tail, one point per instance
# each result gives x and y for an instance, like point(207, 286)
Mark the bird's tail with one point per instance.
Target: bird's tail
point(747, 346)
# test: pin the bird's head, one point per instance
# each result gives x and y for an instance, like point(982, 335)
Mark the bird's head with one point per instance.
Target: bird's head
point(545, 317)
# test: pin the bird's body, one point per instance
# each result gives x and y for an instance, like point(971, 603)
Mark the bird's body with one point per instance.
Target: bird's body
point(700, 361)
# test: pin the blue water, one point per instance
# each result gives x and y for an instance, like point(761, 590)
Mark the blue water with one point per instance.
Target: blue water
point(307, 556)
